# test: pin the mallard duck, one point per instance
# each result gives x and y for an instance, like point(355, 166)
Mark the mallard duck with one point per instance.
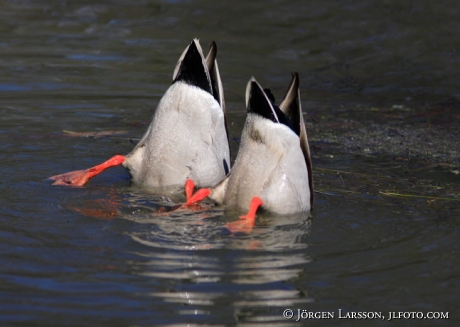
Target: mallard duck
point(273, 167)
point(187, 138)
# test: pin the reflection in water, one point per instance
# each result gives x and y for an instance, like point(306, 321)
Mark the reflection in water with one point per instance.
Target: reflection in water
point(208, 266)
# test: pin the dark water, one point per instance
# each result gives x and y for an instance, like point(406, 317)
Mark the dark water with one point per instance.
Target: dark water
point(89, 66)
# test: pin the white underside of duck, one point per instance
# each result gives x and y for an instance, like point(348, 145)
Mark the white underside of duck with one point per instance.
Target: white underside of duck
point(269, 165)
point(273, 166)
point(186, 140)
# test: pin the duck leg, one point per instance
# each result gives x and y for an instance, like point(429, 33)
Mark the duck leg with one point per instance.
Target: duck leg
point(247, 221)
point(199, 195)
point(80, 177)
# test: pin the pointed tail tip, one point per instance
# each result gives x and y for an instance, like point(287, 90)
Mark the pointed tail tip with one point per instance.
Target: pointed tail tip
point(213, 45)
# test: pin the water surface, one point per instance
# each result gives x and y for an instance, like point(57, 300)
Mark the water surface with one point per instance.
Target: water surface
point(87, 66)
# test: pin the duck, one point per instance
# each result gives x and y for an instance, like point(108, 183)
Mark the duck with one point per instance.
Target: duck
point(273, 167)
point(187, 137)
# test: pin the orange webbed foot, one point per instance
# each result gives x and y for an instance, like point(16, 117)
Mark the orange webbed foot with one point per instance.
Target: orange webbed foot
point(247, 221)
point(80, 177)
point(191, 202)
point(72, 178)
point(199, 196)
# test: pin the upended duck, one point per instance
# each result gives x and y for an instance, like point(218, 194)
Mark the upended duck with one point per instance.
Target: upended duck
point(273, 167)
point(187, 138)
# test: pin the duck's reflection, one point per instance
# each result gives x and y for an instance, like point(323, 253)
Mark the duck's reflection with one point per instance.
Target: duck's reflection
point(194, 260)
point(207, 267)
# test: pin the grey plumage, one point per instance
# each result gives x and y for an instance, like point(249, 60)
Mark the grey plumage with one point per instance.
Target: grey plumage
point(273, 160)
point(187, 137)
